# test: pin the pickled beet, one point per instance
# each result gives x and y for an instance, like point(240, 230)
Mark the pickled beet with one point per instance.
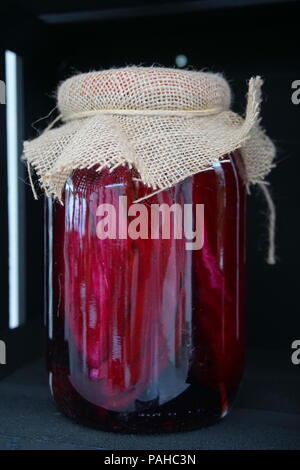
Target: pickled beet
point(144, 335)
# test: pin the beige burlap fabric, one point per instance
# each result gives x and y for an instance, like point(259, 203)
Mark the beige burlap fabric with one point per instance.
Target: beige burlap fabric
point(167, 123)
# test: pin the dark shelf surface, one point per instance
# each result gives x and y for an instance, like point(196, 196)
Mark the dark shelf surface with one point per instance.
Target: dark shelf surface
point(266, 416)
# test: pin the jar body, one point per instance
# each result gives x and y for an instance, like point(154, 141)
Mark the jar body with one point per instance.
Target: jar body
point(145, 335)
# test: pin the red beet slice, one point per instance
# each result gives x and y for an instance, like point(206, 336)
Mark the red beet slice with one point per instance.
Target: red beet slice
point(123, 299)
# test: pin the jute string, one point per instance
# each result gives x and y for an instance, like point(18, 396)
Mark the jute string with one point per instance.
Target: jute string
point(271, 258)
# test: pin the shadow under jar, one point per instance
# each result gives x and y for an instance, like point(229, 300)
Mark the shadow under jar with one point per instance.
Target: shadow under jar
point(145, 335)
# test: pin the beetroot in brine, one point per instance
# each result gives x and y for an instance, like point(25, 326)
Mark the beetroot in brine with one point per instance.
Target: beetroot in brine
point(153, 333)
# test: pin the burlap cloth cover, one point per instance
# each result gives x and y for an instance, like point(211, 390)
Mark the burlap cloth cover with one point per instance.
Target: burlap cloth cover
point(167, 123)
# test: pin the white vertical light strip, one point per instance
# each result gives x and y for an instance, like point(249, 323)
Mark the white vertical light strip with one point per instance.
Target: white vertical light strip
point(12, 131)
point(50, 269)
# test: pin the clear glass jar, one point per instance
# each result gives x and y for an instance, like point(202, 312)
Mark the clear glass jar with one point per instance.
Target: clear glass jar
point(144, 335)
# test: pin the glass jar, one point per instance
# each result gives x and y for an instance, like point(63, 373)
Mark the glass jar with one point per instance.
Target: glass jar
point(144, 334)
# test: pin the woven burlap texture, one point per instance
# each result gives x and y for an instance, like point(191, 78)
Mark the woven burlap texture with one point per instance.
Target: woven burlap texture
point(167, 123)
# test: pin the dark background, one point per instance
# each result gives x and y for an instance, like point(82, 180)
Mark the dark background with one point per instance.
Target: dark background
point(237, 38)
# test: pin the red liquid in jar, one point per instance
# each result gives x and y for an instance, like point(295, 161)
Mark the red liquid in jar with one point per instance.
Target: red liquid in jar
point(144, 335)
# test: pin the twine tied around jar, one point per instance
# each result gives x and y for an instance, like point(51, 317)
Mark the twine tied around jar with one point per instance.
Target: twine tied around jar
point(167, 123)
